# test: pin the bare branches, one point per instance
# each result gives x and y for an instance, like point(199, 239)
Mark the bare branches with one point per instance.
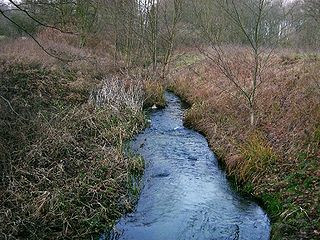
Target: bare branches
point(18, 7)
point(33, 38)
point(247, 18)
point(312, 7)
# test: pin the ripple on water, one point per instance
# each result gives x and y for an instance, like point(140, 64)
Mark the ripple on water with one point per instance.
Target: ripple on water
point(185, 195)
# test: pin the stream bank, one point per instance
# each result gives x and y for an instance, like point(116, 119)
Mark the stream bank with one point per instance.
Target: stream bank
point(185, 195)
point(278, 160)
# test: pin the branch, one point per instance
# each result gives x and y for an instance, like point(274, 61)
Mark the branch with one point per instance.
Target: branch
point(10, 106)
point(37, 21)
point(33, 38)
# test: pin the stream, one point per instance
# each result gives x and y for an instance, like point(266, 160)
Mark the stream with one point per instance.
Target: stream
point(185, 195)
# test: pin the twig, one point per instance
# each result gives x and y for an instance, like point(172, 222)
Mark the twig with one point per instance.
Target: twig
point(34, 39)
point(9, 104)
point(37, 21)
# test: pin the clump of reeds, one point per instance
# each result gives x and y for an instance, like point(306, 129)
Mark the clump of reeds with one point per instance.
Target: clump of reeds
point(119, 92)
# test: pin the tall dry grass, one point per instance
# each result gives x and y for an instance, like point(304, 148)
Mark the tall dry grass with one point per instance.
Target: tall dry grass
point(278, 161)
point(129, 93)
point(63, 128)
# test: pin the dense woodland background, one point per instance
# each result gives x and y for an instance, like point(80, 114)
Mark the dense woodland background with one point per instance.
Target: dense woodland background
point(146, 28)
point(76, 77)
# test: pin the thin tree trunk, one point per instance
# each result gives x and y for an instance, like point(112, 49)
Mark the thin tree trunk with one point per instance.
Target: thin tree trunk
point(252, 116)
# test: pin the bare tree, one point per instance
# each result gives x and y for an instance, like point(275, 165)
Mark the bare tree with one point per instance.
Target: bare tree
point(171, 20)
point(312, 8)
point(248, 19)
point(307, 28)
point(85, 16)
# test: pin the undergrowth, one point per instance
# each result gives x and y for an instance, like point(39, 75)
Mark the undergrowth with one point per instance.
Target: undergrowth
point(64, 173)
point(277, 161)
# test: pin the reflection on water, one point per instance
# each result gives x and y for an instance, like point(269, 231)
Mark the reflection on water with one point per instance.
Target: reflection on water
point(185, 195)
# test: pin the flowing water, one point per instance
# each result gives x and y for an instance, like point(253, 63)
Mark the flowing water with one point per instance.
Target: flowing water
point(185, 195)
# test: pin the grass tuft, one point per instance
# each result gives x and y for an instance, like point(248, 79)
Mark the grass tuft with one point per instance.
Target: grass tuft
point(257, 157)
point(154, 94)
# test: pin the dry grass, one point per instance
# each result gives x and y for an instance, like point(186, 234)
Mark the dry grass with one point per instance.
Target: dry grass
point(154, 94)
point(130, 93)
point(87, 62)
point(279, 160)
point(72, 180)
point(257, 157)
point(63, 171)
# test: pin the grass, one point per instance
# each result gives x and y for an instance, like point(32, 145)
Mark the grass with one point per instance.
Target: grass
point(186, 60)
point(278, 160)
point(256, 157)
point(64, 128)
point(155, 94)
point(63, 131)
point(67, 175)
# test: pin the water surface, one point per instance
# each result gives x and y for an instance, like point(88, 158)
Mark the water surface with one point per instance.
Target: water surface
point(185, 194)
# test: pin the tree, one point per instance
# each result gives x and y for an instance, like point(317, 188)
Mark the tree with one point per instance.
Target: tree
point(312, 8)
point(307, 28)
point(171, 19)
point(7, 28)
point(245, 22)
point(85, 17)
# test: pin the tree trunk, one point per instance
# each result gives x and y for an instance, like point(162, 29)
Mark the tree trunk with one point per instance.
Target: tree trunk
point(252, 116)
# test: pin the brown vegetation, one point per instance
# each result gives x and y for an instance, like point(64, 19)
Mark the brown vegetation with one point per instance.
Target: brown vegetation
point(278, 160)
point(64, 174)
point(64, 123)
